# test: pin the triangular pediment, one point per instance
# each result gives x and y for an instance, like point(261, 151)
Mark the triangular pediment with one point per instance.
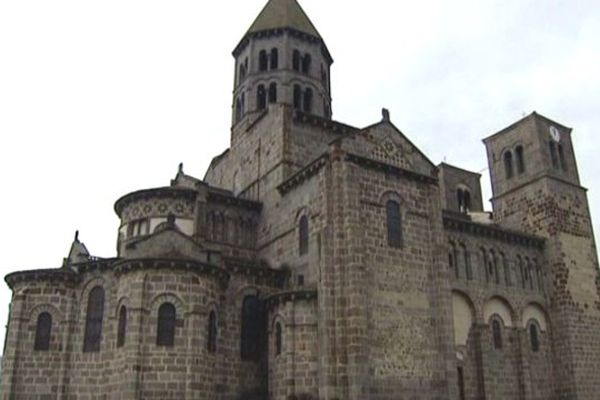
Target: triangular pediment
point(385, 143)
point(166, 243)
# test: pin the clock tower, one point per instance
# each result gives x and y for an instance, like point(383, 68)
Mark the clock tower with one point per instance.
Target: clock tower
point(536, 190)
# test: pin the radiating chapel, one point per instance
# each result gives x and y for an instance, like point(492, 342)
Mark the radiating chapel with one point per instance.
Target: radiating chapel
point(318, 260)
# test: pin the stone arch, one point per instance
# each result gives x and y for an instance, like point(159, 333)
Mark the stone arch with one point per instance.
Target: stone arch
point(167, 297)
point(535, 312)
point(391, 195)
point(36, 310)
point(464, 197)
point(90, 284)
point(463, 313)
point(123, 301)
point(498, 306)
point(277, 337)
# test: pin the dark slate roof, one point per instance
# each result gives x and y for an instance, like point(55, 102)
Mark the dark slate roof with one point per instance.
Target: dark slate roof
point(283, 14)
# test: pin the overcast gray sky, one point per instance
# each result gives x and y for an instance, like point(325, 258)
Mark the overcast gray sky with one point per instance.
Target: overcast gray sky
point(100, 98)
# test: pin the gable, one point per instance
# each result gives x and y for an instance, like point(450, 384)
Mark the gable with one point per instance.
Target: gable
point(167, 243)
point(385, 143)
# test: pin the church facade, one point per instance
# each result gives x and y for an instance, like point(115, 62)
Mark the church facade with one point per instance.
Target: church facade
point(317, 260)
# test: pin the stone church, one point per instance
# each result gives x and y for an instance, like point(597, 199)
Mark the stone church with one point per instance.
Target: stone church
point(317, 260)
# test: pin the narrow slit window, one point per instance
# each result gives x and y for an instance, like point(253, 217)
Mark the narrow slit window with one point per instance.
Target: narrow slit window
point(261, 97)
point(273, 93)
point(394, 224)
point(296, 60)
point(553, 153)
point(252, 329)
point(93, 322)
point(306, 60)
point(274, 58)
point(520, 160)
point(278, 339)
point(561, 156)
point(43, 332)
point(308, 97)
point(212, 332)
point(262, 61)
point(122, 326)
point(297, 96)
point(303, 235)
point(534, 338)
point(508, 164)
point(165, 329)
point(497, 334)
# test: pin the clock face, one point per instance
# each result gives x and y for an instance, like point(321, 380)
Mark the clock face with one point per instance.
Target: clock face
point(554, 134)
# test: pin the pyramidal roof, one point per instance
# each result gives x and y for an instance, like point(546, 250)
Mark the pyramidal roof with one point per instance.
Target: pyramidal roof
point(283, 14)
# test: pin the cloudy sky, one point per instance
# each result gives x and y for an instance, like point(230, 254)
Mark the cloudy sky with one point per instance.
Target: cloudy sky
point(100, 98)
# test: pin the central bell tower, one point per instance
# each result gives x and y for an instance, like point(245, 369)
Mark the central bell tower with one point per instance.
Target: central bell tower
point(281, 59)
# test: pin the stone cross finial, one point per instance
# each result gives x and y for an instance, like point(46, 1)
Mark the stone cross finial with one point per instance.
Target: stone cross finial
point(385, 113)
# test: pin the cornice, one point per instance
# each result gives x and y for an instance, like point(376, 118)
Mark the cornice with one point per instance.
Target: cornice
point(64, 275)
point(325, 123)
point(228, 199)
point(168, 191)
point(199, 268)
point(289, 295)
point(491, 231)
point(390, 169)
point(240, 267)
point(304, 174)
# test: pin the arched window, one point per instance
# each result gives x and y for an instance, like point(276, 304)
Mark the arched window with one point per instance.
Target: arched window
point(394, 223)
point(522, 271)
point(242, 73)
point(494, 267)
point(467, 260)
point(553, 155)
point(497, 334)
point(212, 332)
point(238, 109)
point(296, 60)
point(43, 329)
point(453, 260)
point(463, 197)
point(534, 338)
point(306, 63)
point(450, 259)
point(297, 96)
point(252, 329)
point(506, 269)
point(278, 339)
point(529, 272)
point(461, 383)
point(520, 159)
point(273, 93)
point(93, 322)
point(508, 164)
point(122, 326)
point(261, 97)
point(262, 61)
point(303, 235)
point(274, 58)
point(308, 95)
point(484, 264)
point(561, 156)
point(165, 328)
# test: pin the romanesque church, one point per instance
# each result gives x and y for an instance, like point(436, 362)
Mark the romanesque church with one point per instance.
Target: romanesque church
point(318, 260)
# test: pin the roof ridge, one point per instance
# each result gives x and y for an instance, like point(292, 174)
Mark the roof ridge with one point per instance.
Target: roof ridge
point(283, 14)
